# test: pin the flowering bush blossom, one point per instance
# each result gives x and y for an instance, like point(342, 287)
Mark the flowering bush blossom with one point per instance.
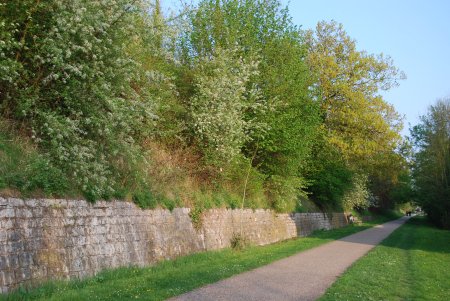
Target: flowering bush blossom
point(66, 73)
point(221, 102)
point(359, 195)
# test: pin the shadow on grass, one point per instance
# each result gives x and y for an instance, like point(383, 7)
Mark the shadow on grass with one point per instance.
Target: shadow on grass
point(435, 240)
point(419, 234)
point(411, 264)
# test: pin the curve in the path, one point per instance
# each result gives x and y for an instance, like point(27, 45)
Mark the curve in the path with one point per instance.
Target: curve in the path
point(304, 276)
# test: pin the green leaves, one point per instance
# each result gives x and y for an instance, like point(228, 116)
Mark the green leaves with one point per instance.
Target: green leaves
point(223, 96)
point(359, 122)
point(275, 122)
point(75, 86)
point(431, 168)
point(234, 82)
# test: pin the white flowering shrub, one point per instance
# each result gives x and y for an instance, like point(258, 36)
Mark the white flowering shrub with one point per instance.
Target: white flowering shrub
point(67, 76)
point(220, 105)
point(358, 196)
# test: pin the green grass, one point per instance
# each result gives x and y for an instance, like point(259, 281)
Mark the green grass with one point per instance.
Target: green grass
point(411, 264)
point(170, 278)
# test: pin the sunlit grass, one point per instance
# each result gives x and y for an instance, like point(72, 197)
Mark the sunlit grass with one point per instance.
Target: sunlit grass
point(411, 264)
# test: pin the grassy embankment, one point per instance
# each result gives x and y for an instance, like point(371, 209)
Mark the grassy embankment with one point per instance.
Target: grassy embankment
point(173, 179)
point(170, 278)
point(411, 264)
point(26, 173)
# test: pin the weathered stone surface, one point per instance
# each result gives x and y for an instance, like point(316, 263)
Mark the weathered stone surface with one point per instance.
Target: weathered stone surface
point(62, 239)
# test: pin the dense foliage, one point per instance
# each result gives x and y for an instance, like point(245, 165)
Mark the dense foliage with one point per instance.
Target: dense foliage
point(431, 172)
point(224, 100)
point(68, 78)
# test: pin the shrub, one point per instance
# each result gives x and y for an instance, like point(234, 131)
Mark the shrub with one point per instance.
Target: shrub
point(357, 197)
point(284, 194)
point(67, 76)
point(145, 199)
point(239, 242)
point(24, 169)
point(219, 105)
point(196, 215)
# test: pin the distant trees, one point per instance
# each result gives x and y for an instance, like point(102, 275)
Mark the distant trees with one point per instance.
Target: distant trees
point(431, 169)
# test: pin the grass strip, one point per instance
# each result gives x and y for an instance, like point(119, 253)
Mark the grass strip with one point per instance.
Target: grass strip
point(413, 263)
point(174, 277)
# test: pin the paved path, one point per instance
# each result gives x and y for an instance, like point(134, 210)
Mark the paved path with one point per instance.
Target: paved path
point(304, 276)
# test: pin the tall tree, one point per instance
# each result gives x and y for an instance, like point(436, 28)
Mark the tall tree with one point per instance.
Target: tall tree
point(359, 122)
point(264, 30)
point(431, 171)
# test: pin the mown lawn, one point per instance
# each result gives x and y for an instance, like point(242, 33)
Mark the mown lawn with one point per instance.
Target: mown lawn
point(170, 278)
point(411, 264)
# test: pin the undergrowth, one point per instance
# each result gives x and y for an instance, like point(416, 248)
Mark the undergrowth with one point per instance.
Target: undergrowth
point(26, 172)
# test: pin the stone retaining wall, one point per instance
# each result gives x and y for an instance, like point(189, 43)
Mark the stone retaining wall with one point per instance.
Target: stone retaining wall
point(62, 239)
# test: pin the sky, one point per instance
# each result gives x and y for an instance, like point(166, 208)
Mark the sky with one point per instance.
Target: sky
point(416, 34)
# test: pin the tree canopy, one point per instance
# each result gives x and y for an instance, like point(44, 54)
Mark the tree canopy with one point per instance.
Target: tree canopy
point(225, 99)
point(431, 168)
point(358, 121)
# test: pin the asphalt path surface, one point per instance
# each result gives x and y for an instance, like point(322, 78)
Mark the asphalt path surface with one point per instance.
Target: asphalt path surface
point(304, 276)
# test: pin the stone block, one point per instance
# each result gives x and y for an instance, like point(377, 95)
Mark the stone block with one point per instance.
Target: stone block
point(76, 265)
point(7, 278)
point(13, 262)
point(22, 274)
point(32, 203)
point(16, 203)
point(24, 213)
point(3, 235)
point(25, 260)
point(4, 263)
point(4, 249)
point(14, 236)
point(6, 212)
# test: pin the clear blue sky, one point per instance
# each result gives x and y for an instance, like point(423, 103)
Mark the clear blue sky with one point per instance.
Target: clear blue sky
point(416, 34)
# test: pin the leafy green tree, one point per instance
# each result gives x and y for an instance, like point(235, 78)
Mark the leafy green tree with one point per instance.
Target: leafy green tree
point(388, 176)
point(402, 192)
point(431, 169)
point(357, 197)
point(263, 29)
point(328, 175)
point(359, 122)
